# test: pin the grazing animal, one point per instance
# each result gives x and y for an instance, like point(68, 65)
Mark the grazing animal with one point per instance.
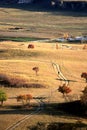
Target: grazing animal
point(25, 97)
point(84, 75)
point(31, 46)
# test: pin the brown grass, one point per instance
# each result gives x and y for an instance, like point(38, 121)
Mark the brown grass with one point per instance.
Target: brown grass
point(72, 62)
point(41, 24)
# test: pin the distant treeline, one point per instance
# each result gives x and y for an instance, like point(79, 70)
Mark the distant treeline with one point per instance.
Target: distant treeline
point(59, 4)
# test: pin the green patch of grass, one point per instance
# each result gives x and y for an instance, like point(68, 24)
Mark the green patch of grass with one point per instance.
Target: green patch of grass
point(19, 39)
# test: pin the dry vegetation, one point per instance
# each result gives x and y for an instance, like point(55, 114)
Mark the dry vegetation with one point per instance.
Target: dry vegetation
point(18, 69)
point(17, 61)
point(33, 22)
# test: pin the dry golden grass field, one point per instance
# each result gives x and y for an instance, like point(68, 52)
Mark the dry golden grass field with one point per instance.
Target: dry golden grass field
point(17, 61)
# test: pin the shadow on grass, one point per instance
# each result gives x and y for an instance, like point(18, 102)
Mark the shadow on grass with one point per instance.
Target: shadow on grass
point(58, 126)
point(74, 108)
point(17, 109)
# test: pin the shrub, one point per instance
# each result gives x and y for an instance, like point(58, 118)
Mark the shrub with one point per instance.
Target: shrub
point(84, 96)
point(31, 46)
point(3, 97)
point(38, 126)
point(58, 126)
point(9, 81)
point(3, 79)
point(84, 75)
point(24, 97)
point(64, 89)
point(16, 82)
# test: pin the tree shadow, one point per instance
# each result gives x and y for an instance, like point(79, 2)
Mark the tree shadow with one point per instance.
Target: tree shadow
point(73, 108)
point(70, 109)
point(68, 80)
point(40, 7)
point(17, 109)
point(58, 126)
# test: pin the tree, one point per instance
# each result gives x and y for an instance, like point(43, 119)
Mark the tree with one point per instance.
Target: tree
point(64, 89)
point(84, 75)
point(36, 69)
point(84, 96)
point(24, 97)
point(3, 97)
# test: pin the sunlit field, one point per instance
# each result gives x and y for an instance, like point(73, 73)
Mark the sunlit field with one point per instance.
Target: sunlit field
point(17, 62)
point(30, 26)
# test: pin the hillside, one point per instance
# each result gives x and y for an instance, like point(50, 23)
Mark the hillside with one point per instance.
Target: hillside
point(21, 25)
point(17, 61)
point(29, 21)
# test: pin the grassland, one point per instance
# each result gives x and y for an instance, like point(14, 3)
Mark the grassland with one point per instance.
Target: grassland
point(36, 22)
point(17, 61)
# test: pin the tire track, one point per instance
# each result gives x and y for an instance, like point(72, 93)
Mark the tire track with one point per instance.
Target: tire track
point(16, 124)
point(57, 69)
